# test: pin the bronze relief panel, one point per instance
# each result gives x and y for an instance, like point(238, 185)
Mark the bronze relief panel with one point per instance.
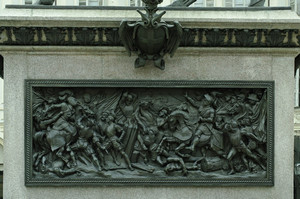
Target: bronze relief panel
point(178, 133)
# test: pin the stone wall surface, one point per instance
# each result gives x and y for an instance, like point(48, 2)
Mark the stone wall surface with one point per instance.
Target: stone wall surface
point(1, 108)
point(200, 64)
point(264, 19)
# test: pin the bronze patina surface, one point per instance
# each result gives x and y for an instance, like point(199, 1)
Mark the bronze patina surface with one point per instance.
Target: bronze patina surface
point(149, 133)
point(150, 37)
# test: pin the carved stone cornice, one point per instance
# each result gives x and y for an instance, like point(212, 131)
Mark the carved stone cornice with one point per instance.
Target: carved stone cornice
point(108, 36)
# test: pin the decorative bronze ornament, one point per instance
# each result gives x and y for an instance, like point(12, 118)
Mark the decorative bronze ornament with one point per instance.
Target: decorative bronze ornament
point(151, 37)
point(109, 36)
point(109, 132)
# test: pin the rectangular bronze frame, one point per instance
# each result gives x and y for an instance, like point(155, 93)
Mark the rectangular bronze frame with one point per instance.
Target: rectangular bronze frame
point(30, 84)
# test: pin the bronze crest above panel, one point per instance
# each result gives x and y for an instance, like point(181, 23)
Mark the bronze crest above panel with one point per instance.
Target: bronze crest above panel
point(150, 37)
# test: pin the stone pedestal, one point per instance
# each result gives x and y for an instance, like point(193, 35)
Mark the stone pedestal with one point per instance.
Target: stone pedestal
point(112, 63)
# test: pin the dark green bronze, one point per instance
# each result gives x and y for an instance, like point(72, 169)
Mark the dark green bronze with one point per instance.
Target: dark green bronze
point(1, 71)
point(151, 37)
point(182, 3)
point(109, 36)
point(44, 2)
point(149, 133)
point(257, 3)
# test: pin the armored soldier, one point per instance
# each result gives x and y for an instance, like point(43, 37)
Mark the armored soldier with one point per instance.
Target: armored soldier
point(238, 145)
point(205, 133)
point(111, 132)
point(85, 133)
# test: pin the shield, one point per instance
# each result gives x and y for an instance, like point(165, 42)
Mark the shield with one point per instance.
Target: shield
point(151, 40)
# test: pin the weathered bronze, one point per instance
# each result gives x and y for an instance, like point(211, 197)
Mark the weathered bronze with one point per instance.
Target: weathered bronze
point(182, 3)
point(44, 2)
point(150, 37)
point(257, 3)
point(109, 36)
point(149, 132)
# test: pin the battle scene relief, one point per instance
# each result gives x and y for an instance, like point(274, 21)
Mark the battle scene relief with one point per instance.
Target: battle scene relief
point(142, 133)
